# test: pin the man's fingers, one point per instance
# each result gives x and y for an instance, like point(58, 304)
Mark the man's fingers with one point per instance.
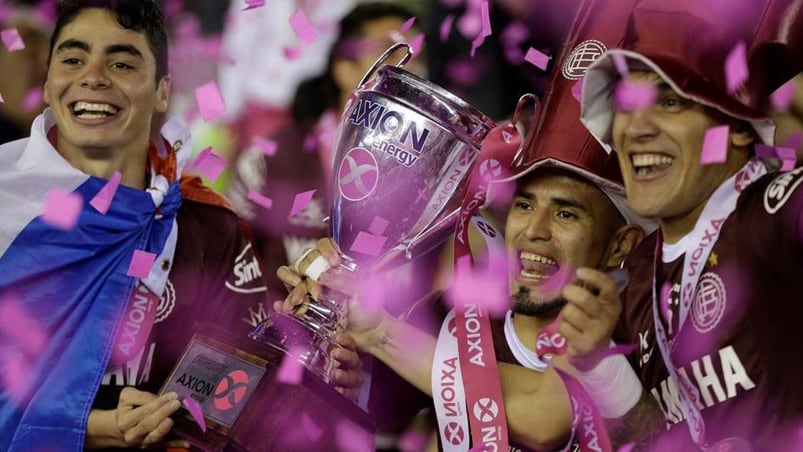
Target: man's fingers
point(157, 434)
point(134, 397)
point(346, 378)
point(148, 419)
point(289, 277)
point(583, 300)
point(608, 291)
point(346, 359)
point(329, 250)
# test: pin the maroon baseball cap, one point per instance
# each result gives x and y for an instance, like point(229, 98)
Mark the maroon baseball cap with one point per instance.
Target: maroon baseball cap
point(687, 42)
point(560, 140)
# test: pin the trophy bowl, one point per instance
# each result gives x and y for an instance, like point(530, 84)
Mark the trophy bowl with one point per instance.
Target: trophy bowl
point(404, 149)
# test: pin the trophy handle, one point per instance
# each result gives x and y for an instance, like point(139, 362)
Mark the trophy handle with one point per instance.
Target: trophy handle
point(381, 60)
point(518, 159)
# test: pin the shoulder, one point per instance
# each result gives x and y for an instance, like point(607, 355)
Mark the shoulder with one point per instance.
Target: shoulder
point(769, 211)
point(778, 190)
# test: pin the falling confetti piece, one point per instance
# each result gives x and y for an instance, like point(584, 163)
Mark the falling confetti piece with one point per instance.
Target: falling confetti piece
point(304, 29)
point(210, 101)
point(537, 58)
point(291, 371)
point(407, 25)
point(736, 72)
point(577, 89)
point(369, 244)
point(301, 202)
point(265, 146)
point(209, 164)
point(260, 199)
point(782, 97)
point(62, 209)
point(446, 27)
point(620, 62)
point(251, 4)
point(103, 200)
point(196, 411)
point(12, 39)
point(633, 95)
point(32, 99)
point(141, 263)
point(378, 226)
point(715, 145)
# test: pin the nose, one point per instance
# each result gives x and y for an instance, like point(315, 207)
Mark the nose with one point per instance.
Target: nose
point(634, 127)
point(94, 77)
point(538, 226)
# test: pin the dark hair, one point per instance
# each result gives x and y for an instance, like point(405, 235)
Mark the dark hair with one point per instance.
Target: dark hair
point(143, 16)
point(315, 95)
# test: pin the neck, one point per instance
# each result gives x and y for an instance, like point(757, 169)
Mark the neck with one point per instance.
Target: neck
point(674, 229)
point(527, 328)
point(103, 163)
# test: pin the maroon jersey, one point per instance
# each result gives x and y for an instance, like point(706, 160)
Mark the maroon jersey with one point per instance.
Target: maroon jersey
point(742, 333)
point(215, 278)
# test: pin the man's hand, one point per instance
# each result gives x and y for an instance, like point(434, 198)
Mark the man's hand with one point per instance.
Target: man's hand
point(589, 317)
point(142, 419)
point(361, 322)
point(347, 376)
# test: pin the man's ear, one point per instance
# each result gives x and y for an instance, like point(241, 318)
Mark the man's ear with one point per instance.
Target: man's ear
point(163, 94)
point(624, 241)
point(742, 135)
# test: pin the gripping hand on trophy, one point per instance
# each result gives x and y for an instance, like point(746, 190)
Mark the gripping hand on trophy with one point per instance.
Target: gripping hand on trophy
point(347, 377)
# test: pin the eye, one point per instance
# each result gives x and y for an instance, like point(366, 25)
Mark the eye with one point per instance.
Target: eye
point(672, 102)
point(122, 66)
point(566, 215)
point(71, 61)
point(522, 205)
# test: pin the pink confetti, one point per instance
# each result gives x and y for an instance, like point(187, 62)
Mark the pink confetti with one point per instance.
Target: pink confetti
point(736, 72)
point(372, 294)
point(20, 328)
point(485, 30)
point(782, 97)
point(514, 34)
point(141, 263)
point(265, 146)
point(33, 99)
point(626, 448)
point(664, 301)
point(260, 199)
point(196, 411)
point(417, 43)
point(633, 95)
point(795, 140)
point(103, 200)
point(301, 202)
point(785, 154)
point(291, 371)
point(210, 101)
point(311, 429)
point(351, 437)
point(479, 286)
point(209, 164)
point(291, 52)
point(1, 98)
point(620, 62)
point(577, 89)
point(407, 25)
point(62, 209)
point(537, 58)
point(715, 145)
point(16, 380)
point(303, 27)
point(369, 244)
point(446, 27)
point(378, 226)
point(173, 8)
point(412, 440)
point(12, 39)
point(251, 4)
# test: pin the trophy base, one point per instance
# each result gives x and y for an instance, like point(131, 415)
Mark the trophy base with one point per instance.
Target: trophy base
point(259, 413)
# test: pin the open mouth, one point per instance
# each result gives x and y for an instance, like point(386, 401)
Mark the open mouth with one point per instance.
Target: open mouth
point(536, 267)
point(88, 110)
point(650, 164)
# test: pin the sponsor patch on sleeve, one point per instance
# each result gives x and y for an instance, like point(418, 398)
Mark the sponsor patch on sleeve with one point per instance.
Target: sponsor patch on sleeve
point(781, 189)
point(246, 276)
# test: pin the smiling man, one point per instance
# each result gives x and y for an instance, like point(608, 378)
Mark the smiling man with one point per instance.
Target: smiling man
point(713, 292)
point(94, 332)
point(564, 216)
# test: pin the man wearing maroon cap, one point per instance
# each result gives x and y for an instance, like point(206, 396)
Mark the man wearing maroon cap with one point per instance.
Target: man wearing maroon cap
point(714, 291)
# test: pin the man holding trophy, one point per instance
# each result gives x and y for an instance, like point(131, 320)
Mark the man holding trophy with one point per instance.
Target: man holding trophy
point(112, 295)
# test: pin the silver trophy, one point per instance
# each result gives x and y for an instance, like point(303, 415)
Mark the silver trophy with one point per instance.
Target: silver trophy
point(404, 149)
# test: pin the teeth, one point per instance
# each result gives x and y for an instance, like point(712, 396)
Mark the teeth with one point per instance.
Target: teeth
point(537, 258)
point(92, 115)
point(642, 160)
point(95, 108)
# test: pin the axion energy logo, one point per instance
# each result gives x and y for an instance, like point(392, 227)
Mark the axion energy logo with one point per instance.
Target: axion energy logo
point(219, 380)
point(358, 174)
